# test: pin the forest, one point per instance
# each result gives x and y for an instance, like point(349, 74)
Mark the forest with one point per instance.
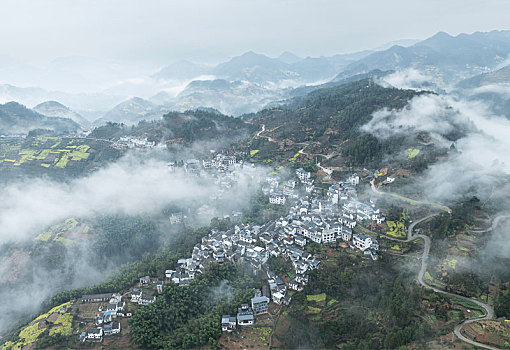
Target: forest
point(177, 127)
point(184, 318)
point(368, 308)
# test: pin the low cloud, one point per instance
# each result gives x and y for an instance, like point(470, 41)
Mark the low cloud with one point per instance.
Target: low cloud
point(410, 78)
point(500, 89)
point(139, 183)
point(130, 186)
point(481, 159)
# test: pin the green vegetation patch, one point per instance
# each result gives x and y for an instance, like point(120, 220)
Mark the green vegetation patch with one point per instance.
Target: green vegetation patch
point(56, 231)
point(332, 302)
point(294, 159)
point(412, 152)
point(318, 298)
point(44, 237)
point(397, 229)
point(63, 325)
point(314, 310)
point(451, 263)
point(428, 276)
point(30, 334)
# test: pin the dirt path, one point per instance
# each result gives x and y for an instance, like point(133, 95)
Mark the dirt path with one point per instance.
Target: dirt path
point(275, 324)
point(409, 200)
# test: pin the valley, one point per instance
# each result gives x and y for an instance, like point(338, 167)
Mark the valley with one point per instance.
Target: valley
point(257, 175)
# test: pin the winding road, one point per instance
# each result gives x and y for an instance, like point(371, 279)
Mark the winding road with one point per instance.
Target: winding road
point(489, 311)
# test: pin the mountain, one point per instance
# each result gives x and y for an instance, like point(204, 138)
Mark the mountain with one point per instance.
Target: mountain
point(232, 98)
point(17, 119)
point(56, 109)
point(500, 76)
point(447, 58)
point(241, 97)
point(288, 57)
point(132, 111)
point(311, 69)
point(182, 70)
point(255, 68)
point(31, 96)
point(401, 42)
point(162, 98)
point(327, 122)
point(286, 70)
point(305, 90)
point(493, 88)
point(182, 127)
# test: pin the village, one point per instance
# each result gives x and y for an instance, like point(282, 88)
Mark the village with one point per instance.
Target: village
point(311, 217)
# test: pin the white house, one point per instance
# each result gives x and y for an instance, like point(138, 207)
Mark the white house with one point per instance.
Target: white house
point(146, 299)
point(135, 295)
point(303, 175)
point(363, 242)
point(228, 323)
point(95, 334)
point(329, 235)
point(295, 285)
point(300, 241)
point(245, 315)
point(277, 297)
point(277, 198)
point(353, 179)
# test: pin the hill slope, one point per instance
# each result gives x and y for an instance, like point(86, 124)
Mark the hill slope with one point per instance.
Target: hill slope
point(17, 119)
point(327, 122)
point(132, 111)
point(181, 128)
point(56, 109)
point(500, 76)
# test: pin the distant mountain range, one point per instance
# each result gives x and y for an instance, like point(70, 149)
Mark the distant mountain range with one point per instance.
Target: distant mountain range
point(17, 119)
point(449, 59)
point(285, 70)
point(500, 76)
point(182, 70)
point(32, 96)
point(492, 88)
point(253, 81)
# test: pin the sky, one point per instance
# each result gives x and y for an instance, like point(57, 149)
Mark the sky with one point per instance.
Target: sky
point(162, 31)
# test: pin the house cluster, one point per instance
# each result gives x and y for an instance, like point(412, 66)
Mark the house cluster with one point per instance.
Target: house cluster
point(279, 193)
point(221, 162)
point(311, 217)
point(105, 321)
point(219, 246)
point(127, 142)
point(246, 314)
point(323, 219)
point(140, 298)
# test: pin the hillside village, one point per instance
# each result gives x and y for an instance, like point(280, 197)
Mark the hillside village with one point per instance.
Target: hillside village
point(311, 217)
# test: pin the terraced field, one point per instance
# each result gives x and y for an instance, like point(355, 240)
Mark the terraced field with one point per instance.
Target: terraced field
point(65, 232)
point(56, 321)
point(44, 151)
